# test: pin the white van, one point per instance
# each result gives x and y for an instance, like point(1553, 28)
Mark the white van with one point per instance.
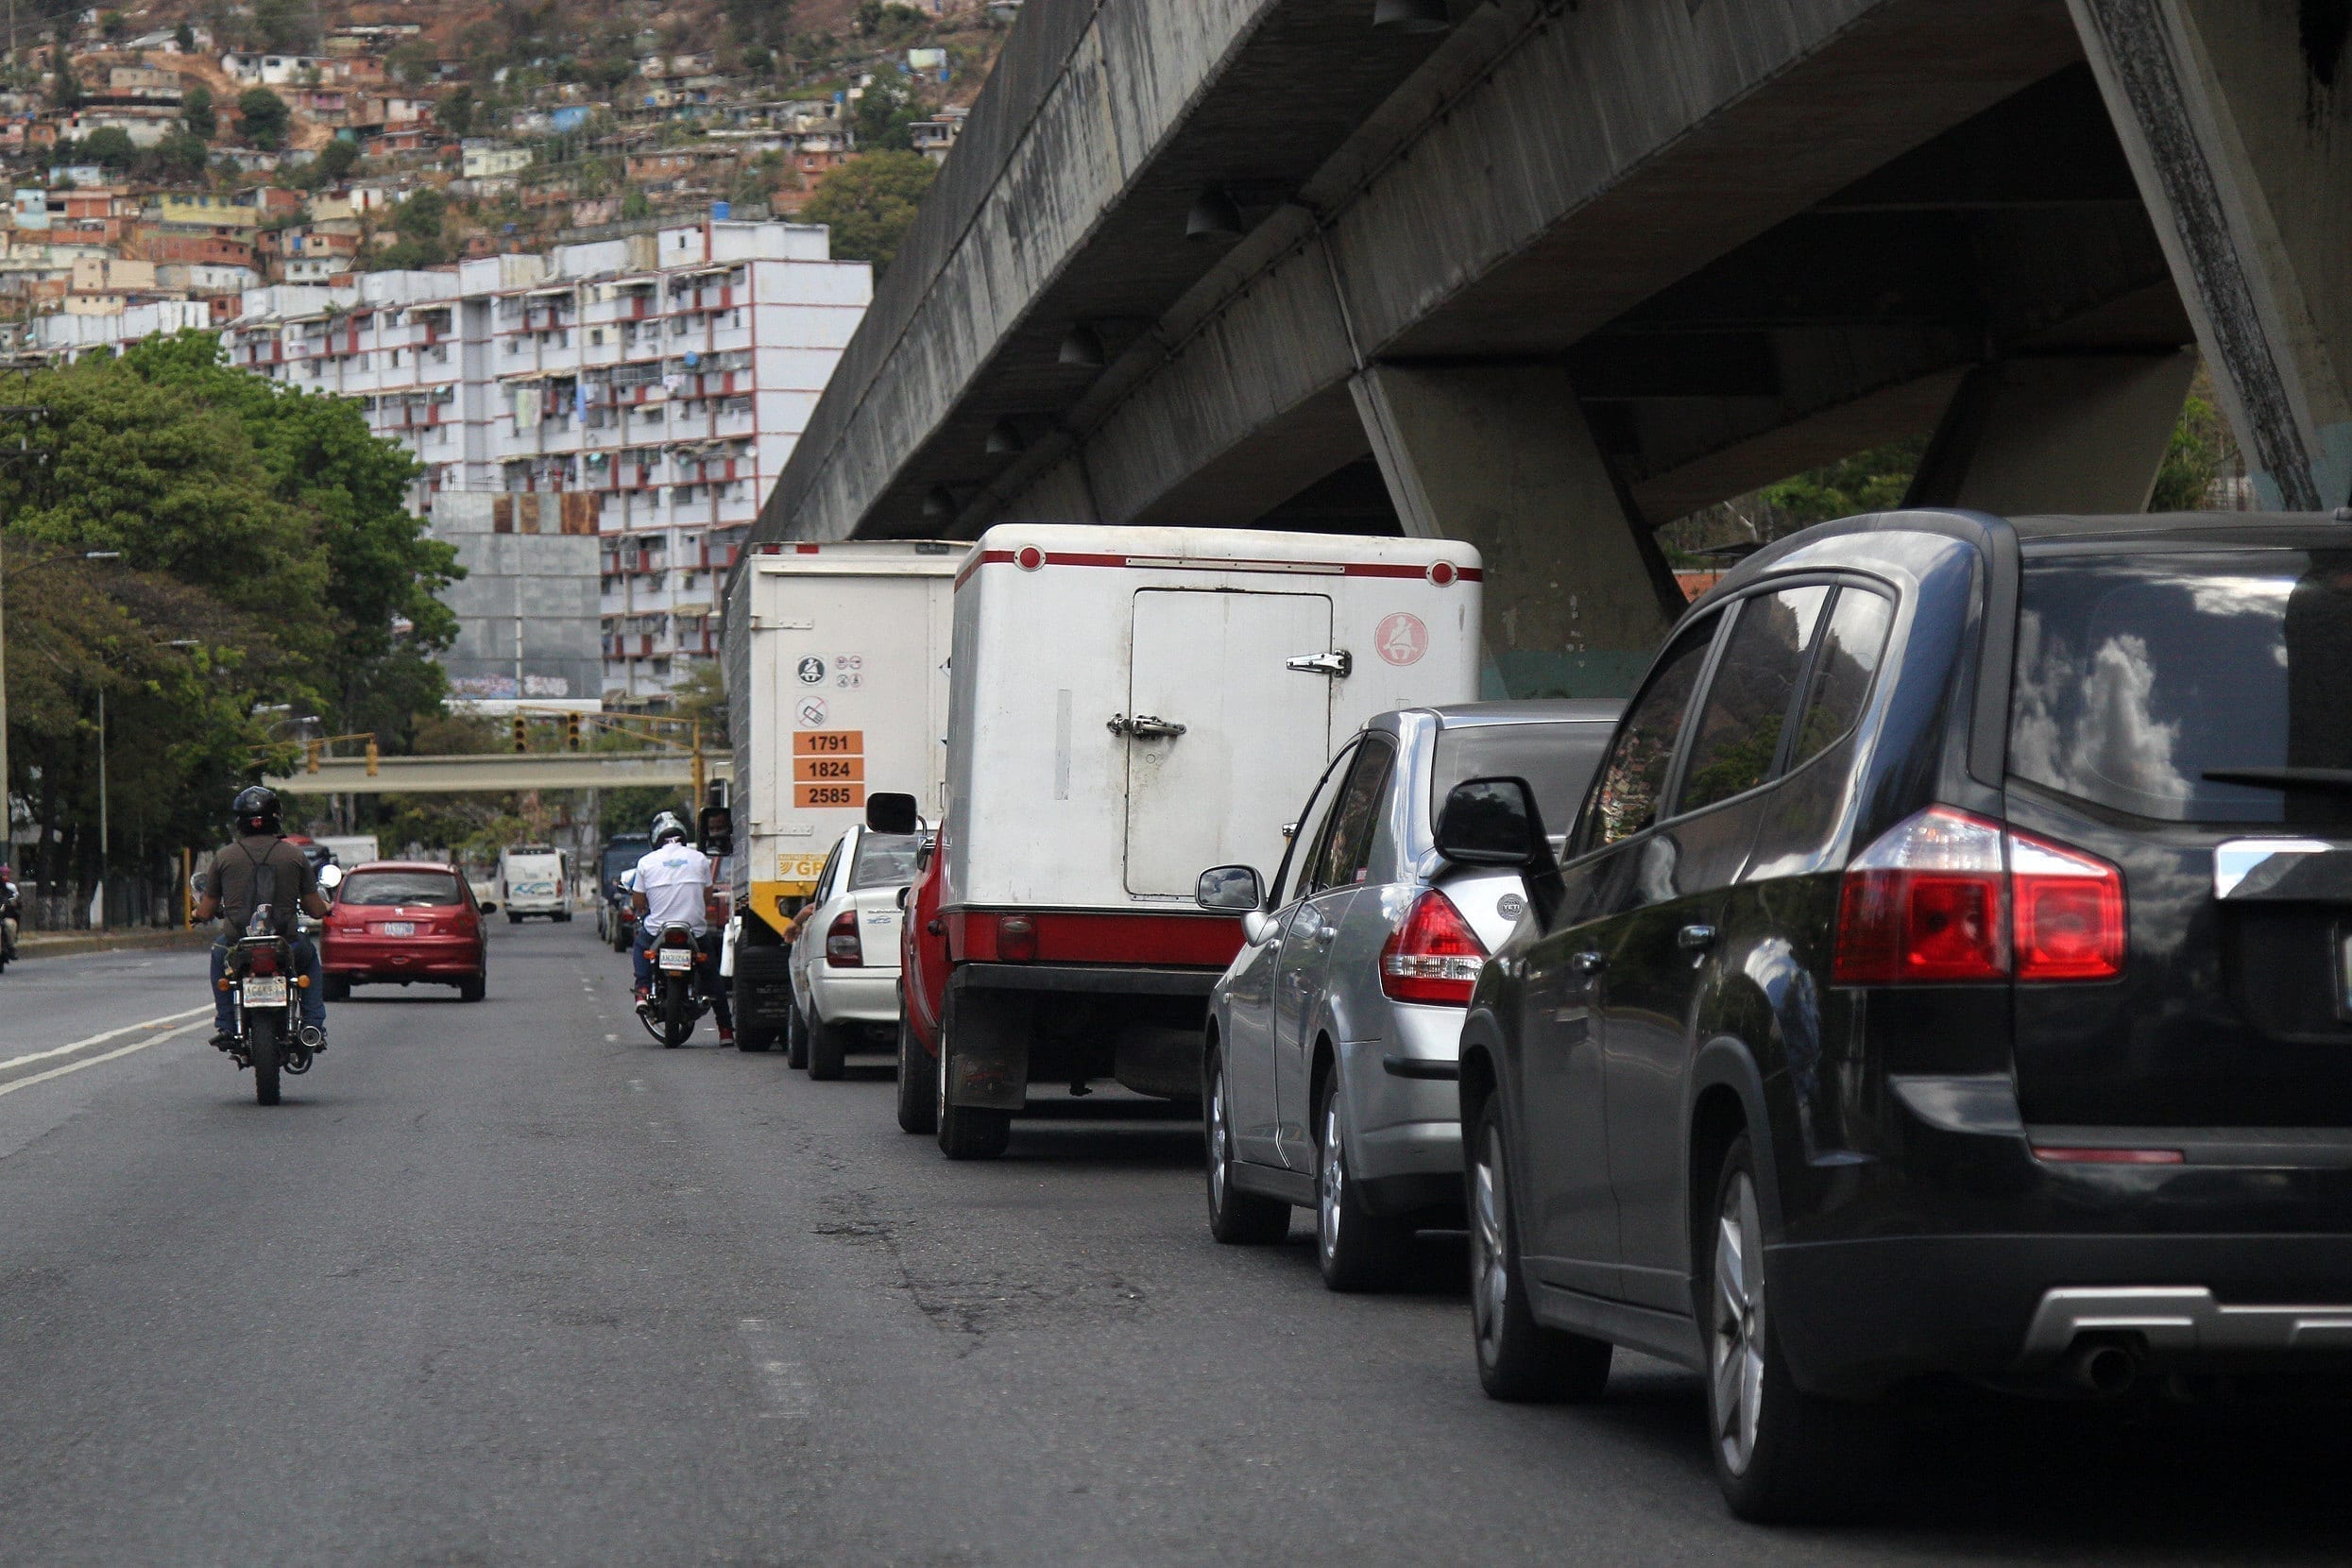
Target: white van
point(533, 878)
point(836, 678)
point(1131, 707)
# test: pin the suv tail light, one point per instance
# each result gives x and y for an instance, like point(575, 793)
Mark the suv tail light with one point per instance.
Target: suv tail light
point(843, 950)
point(1434, 956)
point(1944, 895)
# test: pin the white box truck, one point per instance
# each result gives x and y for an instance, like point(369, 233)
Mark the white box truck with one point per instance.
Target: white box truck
point(1131, 707)
point(349, 849)
point(836, 678)
point(534, 879)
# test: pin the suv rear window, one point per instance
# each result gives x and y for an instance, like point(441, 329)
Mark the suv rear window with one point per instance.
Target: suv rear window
point(884, 860)
point(381, 888)
point(2141, 678)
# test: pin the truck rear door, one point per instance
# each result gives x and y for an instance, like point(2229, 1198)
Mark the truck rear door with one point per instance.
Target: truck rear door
point(1221, 738)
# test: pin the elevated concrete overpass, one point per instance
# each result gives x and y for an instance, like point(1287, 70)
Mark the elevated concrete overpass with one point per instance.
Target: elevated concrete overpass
point(1545, 273)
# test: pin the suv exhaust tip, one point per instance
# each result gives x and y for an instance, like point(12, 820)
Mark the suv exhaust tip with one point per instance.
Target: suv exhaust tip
point(2104, 1369)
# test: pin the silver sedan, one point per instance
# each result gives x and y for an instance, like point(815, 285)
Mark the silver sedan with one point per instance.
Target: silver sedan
point(1334, 1037)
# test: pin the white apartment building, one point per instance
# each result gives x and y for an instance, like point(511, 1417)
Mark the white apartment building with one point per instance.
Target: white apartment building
point(668, 374)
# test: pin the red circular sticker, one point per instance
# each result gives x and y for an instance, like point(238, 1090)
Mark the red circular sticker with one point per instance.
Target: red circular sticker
point(1443, 574)
point(1029, 557)
point(1401, 639)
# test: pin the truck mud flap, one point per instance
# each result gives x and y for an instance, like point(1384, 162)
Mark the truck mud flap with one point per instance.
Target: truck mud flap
point(988, 1046)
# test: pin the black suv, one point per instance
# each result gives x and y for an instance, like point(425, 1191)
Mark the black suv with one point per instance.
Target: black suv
point(1949, 971)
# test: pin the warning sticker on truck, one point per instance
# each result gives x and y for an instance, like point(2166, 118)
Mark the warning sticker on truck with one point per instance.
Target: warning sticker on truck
point(821, 768)
point(828, 742)
point(828, 794)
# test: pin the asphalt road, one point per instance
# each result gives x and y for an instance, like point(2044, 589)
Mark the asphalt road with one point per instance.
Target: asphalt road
point(507, 1283)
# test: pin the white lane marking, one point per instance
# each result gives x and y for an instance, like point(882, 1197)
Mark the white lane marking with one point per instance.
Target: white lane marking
point(612, 1038)
point(108, 1056)
point(101, 1039)
point(637, 1085)
point(783, 1383)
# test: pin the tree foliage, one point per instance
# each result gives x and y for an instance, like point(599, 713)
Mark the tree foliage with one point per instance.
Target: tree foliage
point(260, 553)
point(197, 114)
point(870, 202)
point(263, 117)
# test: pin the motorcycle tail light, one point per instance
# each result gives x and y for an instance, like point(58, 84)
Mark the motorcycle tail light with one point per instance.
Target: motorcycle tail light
point(842, 948)
point(263, 961)
point(1434, 956)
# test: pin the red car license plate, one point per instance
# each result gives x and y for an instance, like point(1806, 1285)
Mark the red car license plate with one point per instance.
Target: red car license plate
point(400, 927)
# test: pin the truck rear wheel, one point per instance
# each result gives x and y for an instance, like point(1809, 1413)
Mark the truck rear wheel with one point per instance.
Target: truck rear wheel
point(917, 1110)
point(965, 1132)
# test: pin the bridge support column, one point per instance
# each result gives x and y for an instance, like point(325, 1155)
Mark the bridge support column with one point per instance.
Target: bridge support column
point(2078, 433)
point(1577, 596)
point(2236, 117)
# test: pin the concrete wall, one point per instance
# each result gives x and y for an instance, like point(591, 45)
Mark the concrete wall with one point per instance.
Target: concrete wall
point(536, 576)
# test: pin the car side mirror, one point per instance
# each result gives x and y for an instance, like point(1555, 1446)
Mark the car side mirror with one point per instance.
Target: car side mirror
point(923, 854)
point(891, 813)
point(1230, 890)
point(330, 877)
point(902, 899)
point(1492, 821)
point(715, 831)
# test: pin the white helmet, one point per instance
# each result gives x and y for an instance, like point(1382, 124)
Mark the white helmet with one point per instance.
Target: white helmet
point(668, 826)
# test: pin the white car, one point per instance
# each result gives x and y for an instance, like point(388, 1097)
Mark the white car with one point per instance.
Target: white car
point(844, 960)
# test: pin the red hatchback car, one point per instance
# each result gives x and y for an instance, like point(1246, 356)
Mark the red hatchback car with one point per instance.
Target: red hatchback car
point(395, 922)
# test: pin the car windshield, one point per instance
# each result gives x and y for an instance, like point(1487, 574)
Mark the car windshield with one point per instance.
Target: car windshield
point(884, 860)
point(375, 888)
point(1556, 760)
point(2153, 684)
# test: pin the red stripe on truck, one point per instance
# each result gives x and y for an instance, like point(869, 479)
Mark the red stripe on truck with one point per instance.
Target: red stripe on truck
point(1190, 941)
point(1189, 563)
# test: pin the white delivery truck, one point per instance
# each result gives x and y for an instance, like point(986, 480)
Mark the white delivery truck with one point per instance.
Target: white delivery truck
point(349, 849)
point(533, 878)
point(836, 679)
point(1131, 707)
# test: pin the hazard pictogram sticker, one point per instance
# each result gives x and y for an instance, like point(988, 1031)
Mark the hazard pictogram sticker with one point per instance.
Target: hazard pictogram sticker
point(813, 712)
point(1401, 639)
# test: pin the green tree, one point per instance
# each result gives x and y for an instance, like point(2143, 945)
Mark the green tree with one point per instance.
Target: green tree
point(455, 110)
point(870, 202)
point(636, 204)
point(1872, 481)
point(884, 115)
point(196, 113)
point(64, 87)
point(183, 39)
point(284, 25)
point(412, 62)
point(335, 160)
point(179, 159)
point(758, 61)
point(111, 146)
point(2201, 446)
point(263, 117)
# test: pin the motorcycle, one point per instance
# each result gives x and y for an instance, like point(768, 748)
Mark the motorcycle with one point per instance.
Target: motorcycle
point(266, 988)
point(670, 1011)
point(11, 915)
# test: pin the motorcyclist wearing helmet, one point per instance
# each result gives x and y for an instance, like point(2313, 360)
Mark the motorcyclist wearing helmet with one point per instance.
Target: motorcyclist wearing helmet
point(259, 866)
point(672, 882)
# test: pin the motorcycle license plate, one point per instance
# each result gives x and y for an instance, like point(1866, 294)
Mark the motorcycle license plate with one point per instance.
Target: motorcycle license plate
point(400, 927)
point(266, 993)
point(677, 958)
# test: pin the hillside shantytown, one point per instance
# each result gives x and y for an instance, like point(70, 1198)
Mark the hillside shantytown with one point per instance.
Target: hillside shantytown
point(1002, 782)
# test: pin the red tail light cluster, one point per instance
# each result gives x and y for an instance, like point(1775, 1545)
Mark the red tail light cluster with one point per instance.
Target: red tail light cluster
point(843, 950)
point(1434, 956)
point(1944, 895)
point(263, 961)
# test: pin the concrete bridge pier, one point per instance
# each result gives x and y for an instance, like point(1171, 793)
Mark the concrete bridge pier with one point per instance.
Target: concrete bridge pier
point(2235, 116)
point(1577, 596)
point(2071, 432)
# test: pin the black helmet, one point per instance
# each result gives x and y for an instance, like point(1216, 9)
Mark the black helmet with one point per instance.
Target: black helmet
point(255, 810)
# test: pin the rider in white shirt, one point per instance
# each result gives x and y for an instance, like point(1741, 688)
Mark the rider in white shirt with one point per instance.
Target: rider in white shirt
point(670, 885)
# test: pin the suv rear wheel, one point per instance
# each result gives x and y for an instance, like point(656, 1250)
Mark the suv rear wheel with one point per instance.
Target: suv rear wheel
point(1519, 1359)
point(1780, 1455)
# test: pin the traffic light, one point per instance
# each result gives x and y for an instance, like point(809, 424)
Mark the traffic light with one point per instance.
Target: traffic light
point(571, 732)
point(522, 735)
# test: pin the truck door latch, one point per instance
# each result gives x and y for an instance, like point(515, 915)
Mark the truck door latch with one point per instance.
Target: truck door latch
point(1142, 726)
point(1335, 664)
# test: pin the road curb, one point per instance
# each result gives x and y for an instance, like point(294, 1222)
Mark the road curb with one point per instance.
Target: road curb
point(108, 942)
